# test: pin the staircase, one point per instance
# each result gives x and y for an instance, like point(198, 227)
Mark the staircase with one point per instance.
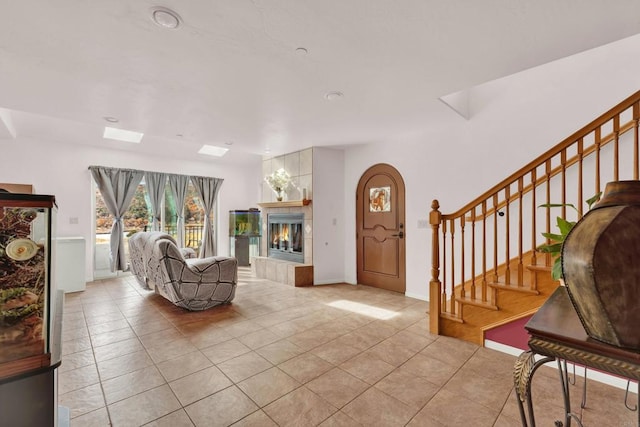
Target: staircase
point(485, 269)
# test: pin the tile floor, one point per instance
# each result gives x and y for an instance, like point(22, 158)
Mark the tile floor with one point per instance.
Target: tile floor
point(337, 355)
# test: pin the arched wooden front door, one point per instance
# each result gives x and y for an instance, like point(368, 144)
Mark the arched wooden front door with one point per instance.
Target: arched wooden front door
point(380, 228)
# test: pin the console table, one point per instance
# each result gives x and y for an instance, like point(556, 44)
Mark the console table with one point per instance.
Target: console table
point(557, 334)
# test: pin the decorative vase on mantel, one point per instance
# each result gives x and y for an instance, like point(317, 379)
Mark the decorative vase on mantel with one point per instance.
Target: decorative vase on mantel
point(601, 266)
point(279, 194)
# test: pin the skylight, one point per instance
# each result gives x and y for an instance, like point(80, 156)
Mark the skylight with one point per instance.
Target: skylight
point(212, 150)
point(122, 135)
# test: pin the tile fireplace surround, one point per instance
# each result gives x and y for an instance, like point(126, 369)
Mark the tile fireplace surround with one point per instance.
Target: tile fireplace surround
point(291, 273)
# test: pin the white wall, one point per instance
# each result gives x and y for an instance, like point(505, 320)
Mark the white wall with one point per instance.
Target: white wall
point(62, 170)
point(328, 216)
point(513, 120)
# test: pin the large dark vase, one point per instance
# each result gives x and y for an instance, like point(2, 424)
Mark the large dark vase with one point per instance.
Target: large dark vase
point(601, 266)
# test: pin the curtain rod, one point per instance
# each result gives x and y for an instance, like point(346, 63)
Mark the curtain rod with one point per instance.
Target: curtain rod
point(167, 173)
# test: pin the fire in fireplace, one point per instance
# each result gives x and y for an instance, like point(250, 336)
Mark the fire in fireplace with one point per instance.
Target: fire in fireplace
point(286, 236)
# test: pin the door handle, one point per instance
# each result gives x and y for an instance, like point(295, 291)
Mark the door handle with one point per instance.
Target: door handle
point(400, 235)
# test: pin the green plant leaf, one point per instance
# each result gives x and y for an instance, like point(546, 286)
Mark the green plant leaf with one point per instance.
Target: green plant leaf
point(556, 270)
point(553, 248)
point(594, 199)
point(565, 226)
point(555, 237)
point(558, 205)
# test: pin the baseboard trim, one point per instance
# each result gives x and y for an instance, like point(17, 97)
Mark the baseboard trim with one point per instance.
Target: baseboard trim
point(601, 377)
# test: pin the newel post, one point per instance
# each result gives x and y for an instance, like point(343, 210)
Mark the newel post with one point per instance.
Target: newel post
point(435, 218)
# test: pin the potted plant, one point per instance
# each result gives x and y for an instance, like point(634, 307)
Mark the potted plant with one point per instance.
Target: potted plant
point(278, 181)
point(554, 247)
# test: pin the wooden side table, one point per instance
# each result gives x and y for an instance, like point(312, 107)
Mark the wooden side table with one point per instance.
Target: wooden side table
point(557, 334)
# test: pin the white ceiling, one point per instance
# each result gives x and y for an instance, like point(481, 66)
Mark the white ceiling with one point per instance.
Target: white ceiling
point(231, 73)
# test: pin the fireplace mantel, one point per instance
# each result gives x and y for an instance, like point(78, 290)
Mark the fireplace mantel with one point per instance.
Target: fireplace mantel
point(287, 204)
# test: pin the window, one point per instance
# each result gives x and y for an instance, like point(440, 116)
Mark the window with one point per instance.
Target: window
point(138, 218)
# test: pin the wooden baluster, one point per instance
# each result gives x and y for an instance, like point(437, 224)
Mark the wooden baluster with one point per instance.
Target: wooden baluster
point(636, 142)
point(484, 250)
point(563, 177)
point(548, 211)
point(534, 211)
point(597, 144)
point(507, 248)
point(473, 253)
point(495, 238)
point(580, 175)
point(463, 291)
point(520, 207)
point(616, 147)
point(452, 233)
point(435, 288)
point(445, 264)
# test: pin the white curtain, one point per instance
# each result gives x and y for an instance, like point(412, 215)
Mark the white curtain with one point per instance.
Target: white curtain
point(179, 185)
point(117, 187)
point(156, 182)
point(207, 189)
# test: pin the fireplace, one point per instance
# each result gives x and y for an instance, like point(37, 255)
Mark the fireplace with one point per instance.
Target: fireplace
point(285, 238)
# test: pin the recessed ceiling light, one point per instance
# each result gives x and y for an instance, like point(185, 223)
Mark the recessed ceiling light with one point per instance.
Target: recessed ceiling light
point(332, 96)
point(122, 135)
point(301, 51)
point(166, 18)
point(212, 150)
point(111, 119)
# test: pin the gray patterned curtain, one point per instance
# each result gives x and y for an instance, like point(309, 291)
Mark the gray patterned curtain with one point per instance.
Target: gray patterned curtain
point(117, 187)
point(179, 185)
point(207, 189)
point(156, 181)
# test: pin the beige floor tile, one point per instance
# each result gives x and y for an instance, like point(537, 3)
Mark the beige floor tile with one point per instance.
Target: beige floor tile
point(97, 418)
point(336, 352)
point(373, 333)
point(279, 351)
point(83, 401)
point(368, 367)
point(491, 392)
point(267, 386)
point(76, 345)
point(199, 384)
point(160, 337)
point(184, 365)
point(452, 409)
point(340, 419)
point(408, 388)
point(166, 351)
point(221, 409)
point(255, 340)
point(374, 407)
point(299, 408)
point(178, 418)
point(226, 350)
point(124, 364)
point(77, 378)
point(433, 370)
point(256, 419)
point(450, 351)
point(76, 360)
point(310, 339)
point(117, 349)
point(112, 337)
point(127, 385)
point(337, 387)
point(305, 367)
point(244, 366)
point(144, 407)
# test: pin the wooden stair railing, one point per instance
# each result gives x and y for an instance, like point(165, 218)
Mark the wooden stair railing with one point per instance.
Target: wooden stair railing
point(489, 244)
